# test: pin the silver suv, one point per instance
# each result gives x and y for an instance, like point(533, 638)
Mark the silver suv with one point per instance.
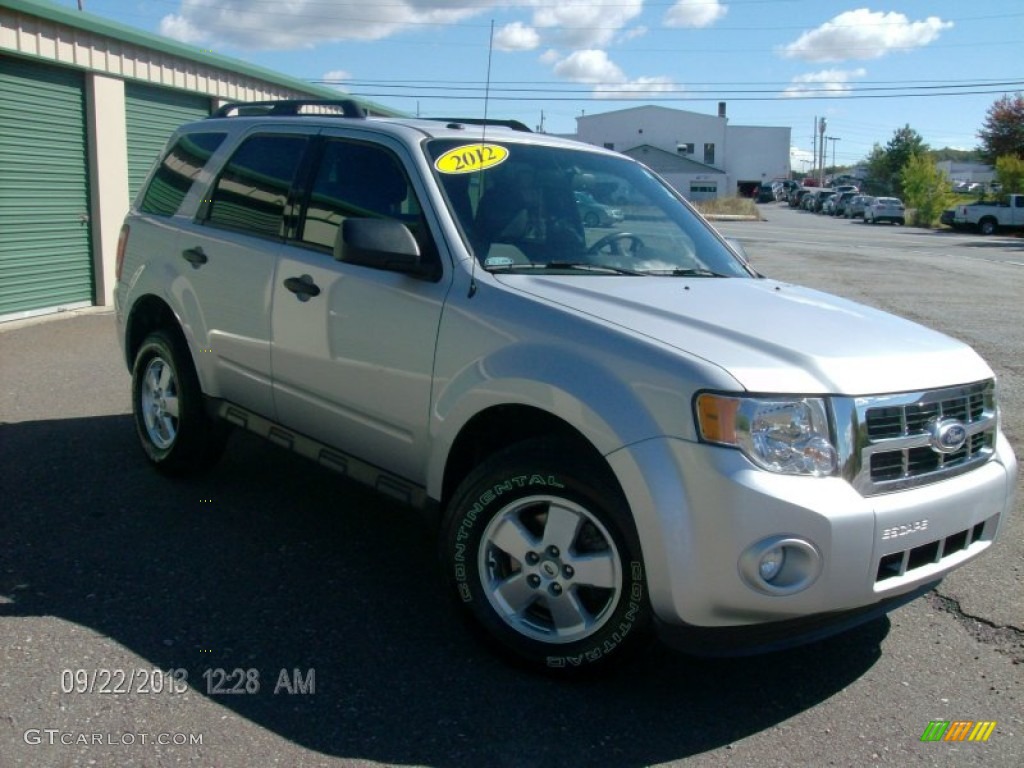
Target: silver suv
point(619, 430)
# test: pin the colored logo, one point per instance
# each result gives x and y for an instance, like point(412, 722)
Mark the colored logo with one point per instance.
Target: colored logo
point(958, 730)
point(471, 157)
point(947, 436)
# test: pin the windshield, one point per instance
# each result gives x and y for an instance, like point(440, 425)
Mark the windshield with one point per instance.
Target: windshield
point(525, 207)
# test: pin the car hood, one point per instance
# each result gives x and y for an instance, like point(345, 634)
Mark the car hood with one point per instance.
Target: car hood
point(770, 336)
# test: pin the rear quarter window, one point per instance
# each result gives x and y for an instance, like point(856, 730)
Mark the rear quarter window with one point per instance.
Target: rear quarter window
point(252, 192)
point(177, 171)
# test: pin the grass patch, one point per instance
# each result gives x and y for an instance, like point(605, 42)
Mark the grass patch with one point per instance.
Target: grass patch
point(735, 206)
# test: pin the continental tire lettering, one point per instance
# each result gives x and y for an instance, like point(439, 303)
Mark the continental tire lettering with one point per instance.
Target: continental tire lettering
point(620, 633)
point(464, 593)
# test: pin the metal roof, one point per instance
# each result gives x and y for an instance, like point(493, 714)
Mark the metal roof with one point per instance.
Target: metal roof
point(123, 33)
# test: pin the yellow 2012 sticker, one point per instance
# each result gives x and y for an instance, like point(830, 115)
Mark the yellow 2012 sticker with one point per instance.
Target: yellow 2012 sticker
point(471, 157)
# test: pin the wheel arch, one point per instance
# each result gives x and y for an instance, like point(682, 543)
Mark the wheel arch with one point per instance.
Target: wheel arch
point(148, 314)
point(501, 426)
point(988, 220)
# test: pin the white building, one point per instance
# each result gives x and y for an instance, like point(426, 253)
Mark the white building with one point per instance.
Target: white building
point(967, 172)
point(700, 155)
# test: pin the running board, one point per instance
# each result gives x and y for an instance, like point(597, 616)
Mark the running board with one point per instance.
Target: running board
point(380, 480)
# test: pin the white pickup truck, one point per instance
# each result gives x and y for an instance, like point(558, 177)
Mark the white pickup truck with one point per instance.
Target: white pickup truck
point(988, 217)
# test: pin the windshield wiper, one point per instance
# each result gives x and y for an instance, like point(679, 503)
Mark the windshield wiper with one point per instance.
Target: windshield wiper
point(689, 272)
point(582, 266)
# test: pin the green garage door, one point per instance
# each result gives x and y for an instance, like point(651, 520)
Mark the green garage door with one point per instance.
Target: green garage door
point(151, 115)
point(45, 259)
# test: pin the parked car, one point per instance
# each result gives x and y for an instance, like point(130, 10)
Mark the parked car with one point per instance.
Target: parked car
point(841, 201)
point(855, 208)
point(612, 433)
point(595, 214)
point(783, 188)
point(818, 200)
point(885, 209)
point(764, 194)
point(797, 196)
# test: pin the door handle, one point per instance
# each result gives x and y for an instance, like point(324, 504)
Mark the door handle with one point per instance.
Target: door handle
point(303, 287)
point(194, 256)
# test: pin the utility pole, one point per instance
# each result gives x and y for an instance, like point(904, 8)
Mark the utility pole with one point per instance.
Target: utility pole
point(814, 138)
point(833, 139)
point(821, 147)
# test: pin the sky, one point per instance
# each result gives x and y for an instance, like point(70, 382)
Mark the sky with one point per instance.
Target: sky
point(868, 69)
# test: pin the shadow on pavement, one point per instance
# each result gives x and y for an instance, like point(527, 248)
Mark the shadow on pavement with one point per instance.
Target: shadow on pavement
point(271, 562)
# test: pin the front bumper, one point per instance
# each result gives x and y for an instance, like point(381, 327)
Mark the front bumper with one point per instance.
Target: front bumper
point(699, 508)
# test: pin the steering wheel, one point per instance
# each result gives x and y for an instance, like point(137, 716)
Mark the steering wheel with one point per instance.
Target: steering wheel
point(612, 242)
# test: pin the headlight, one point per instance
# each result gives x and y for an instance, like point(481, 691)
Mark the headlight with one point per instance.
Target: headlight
point(790, 436)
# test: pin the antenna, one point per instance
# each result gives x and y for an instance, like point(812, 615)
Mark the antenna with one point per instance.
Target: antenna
point(483, 140)
point(487, 85)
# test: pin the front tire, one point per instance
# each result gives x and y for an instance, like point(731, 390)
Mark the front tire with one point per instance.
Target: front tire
point(987, 227)
point(542, 553)
point(176, 434)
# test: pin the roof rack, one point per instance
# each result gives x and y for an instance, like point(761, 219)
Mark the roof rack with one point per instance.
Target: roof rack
point(292, 107)
point(515, 125)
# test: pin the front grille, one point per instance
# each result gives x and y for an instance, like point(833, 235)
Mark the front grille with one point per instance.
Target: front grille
point(899, 436)
point(897, 564)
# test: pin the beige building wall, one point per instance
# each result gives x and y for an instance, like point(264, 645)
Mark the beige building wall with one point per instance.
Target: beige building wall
point(108, 176)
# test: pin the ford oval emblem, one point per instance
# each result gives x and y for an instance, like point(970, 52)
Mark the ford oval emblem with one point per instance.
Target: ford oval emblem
point(948, 436)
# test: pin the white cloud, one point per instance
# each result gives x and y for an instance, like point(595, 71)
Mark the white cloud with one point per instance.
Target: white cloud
point(180, 28)
point(632, 34)
point(334, 76)
point(550, 57)
point(516, 37)
point(593, 67)
point(864, 34)
point(305, 23)
point(827, 82)
point(636, 89)
point(586, 23)
point(589, 66)
point(695, 13)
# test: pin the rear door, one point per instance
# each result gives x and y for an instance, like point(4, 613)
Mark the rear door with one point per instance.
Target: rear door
point(231, 250)
point(353, 357)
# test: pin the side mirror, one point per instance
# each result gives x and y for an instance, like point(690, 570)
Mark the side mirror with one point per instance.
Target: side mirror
point(379, 244)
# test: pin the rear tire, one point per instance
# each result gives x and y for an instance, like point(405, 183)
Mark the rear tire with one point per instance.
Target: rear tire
point(543, 556)
point(987, 226)
point(176, 434)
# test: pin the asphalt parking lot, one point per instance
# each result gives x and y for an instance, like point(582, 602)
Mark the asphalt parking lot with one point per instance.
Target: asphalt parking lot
point(326, 599)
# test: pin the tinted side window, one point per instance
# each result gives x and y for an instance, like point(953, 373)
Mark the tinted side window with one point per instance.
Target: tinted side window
point(358, 180)
point(252, 191)
point(179, 169)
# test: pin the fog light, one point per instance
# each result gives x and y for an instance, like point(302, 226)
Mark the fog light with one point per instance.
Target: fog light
point(780, 565)
point(771, 563)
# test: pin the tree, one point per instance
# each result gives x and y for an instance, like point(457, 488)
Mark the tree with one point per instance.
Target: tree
point(1010, 173)
point(904, 144)
point(1003, 131)
point(926, 189)
point(885, 163)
